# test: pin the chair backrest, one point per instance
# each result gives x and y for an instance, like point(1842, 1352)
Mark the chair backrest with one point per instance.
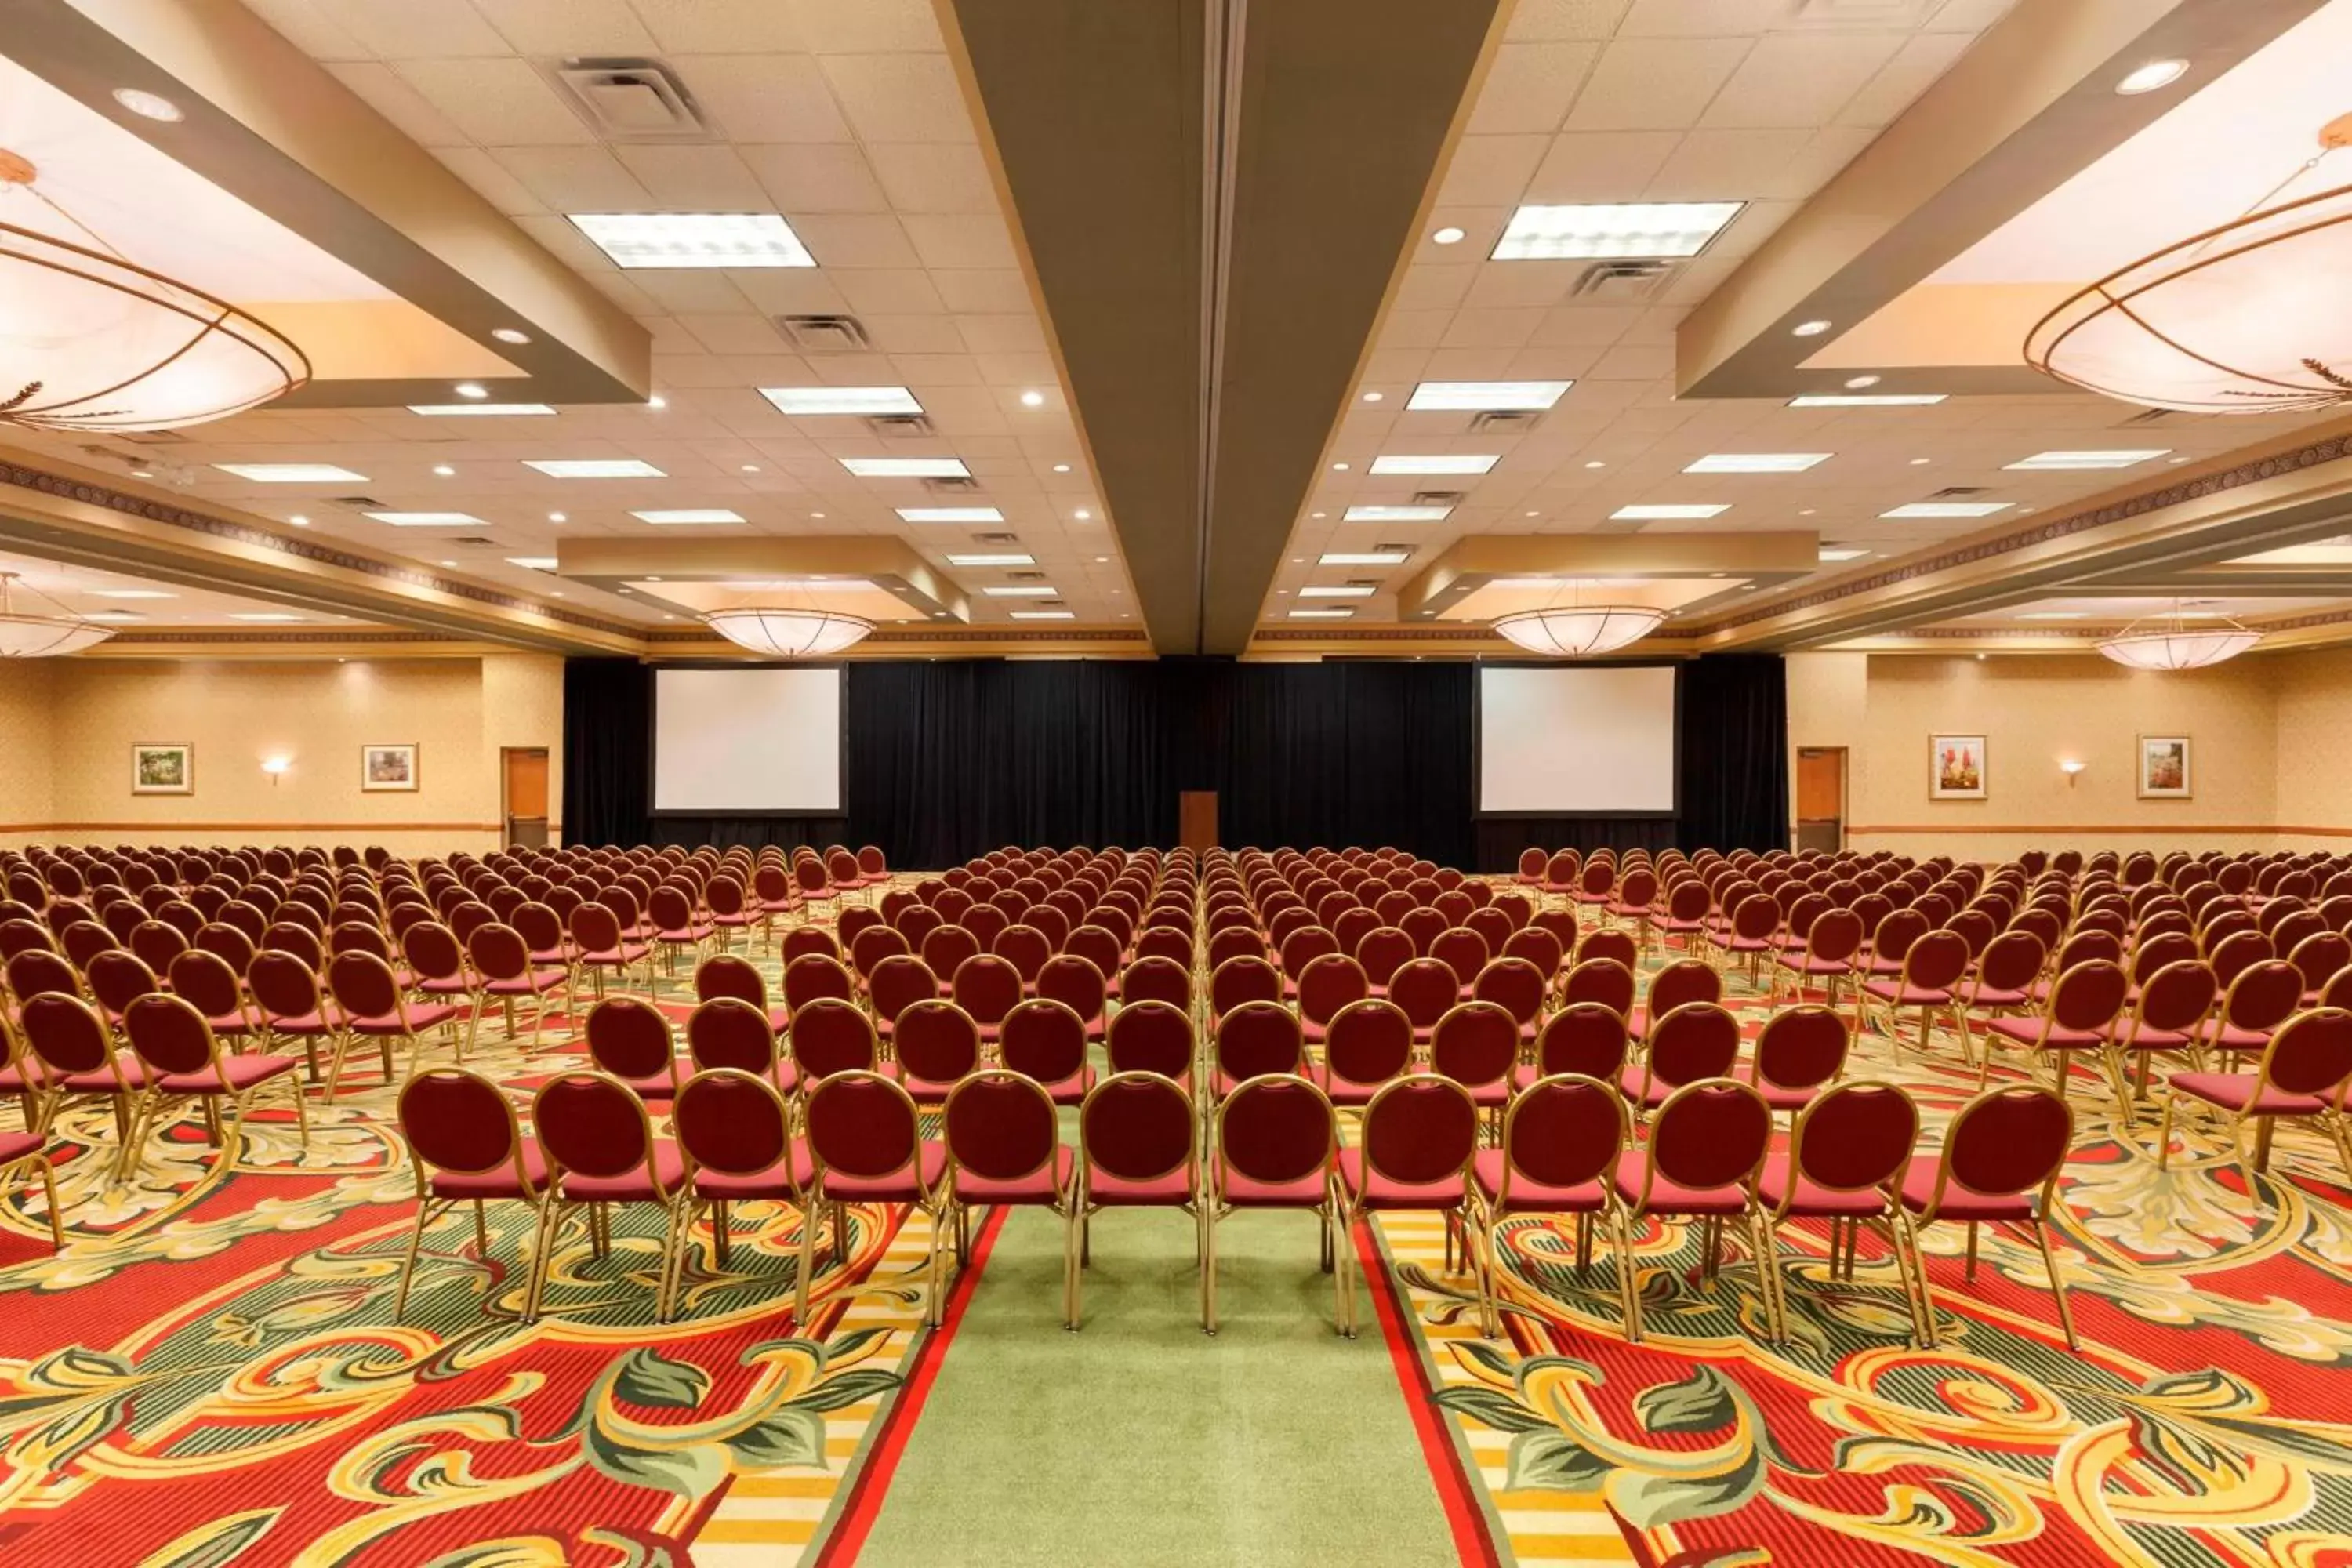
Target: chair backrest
point(589, 1123)
point(432, 950)
point(812, 977)
point(731, 1121)
point(1425, 989)
point(1150, 1035)
point(1044, 1039)
point(362, 985)
point(1138, 1126)
point(1684, 980)
point(1157, 980)
point(117, 978)
point(728, 1032)
point(207, 980)
point(2311, 1054)
point(1538, 946)
point(1239, 981)
point(1584, 1038)
point(1602, 980)
point(1853, 1136)
point(1801, 1048)
point(897, 983)
point(1074, 983)
point(1327, 983)
point(66, 1033)
point(1259, 1037)
point(630, 1038)
point(1617, 946)
point(1369, 1042)
point(1475, 1044)
point(947, 949)
point(1001, 1125)
point(1382, 951)
point(1564, 1130)
point(1462, 950)
point(283, 985)
point(987, 987)
point(498, 951)
point(1696, 1040)
point(830, 1035)
point(2004, 1143)
point(1936, 960)
point(1515, 984)
point(456, 1119)
point(2178, 996)
point(1708, 1135)
point(169, 1035)
point(1276, 1129)
point(1421, 1129)
point(2010, 960)
point(2263, 995)
point(2090, 994)
point(1025, 948)
point(862, 1125)
point(935, 1040)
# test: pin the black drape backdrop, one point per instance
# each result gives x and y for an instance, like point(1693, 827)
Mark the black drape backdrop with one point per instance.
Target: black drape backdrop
point(946, 759)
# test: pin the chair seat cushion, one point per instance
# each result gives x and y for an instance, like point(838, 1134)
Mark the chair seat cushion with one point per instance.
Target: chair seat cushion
point(1532, 1196)
point(499, 1182)
point(526, 984)
point(17, 1079)
point(1812, 1199)
point(2235, 1092)
point(630, 1186)
point(1102, 1187)
point(451, 985)
point(1072, 1090)
point(661, 1086)
point(925, 1092)
point(99, 1081)
point(301, 1024)
point(15, 1146)
point(785, 1181)
point(1919, 1185)
point(424, 1015)
point(2231, 1037)
point(2028, 1031)
point(1345, 1090)
point(1670, 1197)
point(234, 1024)
point(1248, 1193)
point(1788, 1096)
point(237, 1074)
point(1996, 996)
point(1640, 1087)
point(697, 932)
point(1904, 996)
point(2144, 1038)
point(1042, 1186)
point(901, 1186)
point(628, 952)
point(1369, 1189)
point(1809, 964)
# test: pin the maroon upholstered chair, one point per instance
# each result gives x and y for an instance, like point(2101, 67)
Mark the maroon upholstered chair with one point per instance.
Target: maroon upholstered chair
point(185, 1062)
point(631, 1039)
point(464, 1146)
point(1999, 1164)
point(1588, 1039)
point(1562, 1141)
point(1684, 980)
point(1275, 1148)
point(1420, 1133)
point(724, 974)
point(602, 944)
point(1254, 1039)
point(2002, 981)
point(287, 994)
point(866, 1138)
point(734, 1131)
point(369, 1004)
point(2263, 995)
point(1602, 980)
point(600, 1149)
point(2079, 1014)
point(1004, 1147)
point(116, 978)
point(502, 960)
point(1847, 1155)
point(1825, 957)
point(1696, 1040)
point(1026, 949)
point(1425, 989)
point(1241, 979)
point(2303, 1073)
point(813, 976)
point(1933, 967)
point(1077, 985)
point(988, 988)
point(1152, 1036)
point(897, 983)
point(936, 1046)
point(728, 1032)
point(830, 1035)
point(1799, 1052)
point(2173, 1005)
point(1707, 1146)
point(1046, 1041)
point(1138, 1147)
point(207, 980)
point(1477, 1044)
point(1370, 1045)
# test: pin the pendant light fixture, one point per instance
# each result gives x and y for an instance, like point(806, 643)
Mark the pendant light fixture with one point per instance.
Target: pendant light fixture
point(31, 634)
point(785, 632)
point(1578, 630)
point(2178, 640)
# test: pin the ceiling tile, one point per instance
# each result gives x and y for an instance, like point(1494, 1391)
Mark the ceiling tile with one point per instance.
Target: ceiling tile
point(1491, 171)
point(933, 176)
point(1800, 78)
point(739, 333)
point(923, 371)
point(1414, 329)
point(691, 292)
point(792, 291)
point(1585, 326)
point(568, 27)
point(498, 103)
point(1600, 165)
point(864, 27)
point(961, 240)
point(718, 26)
point(934, 334)
point(300, 23)
point(575, 179)
point(1491, 329)
point(1728, 165)
point(1652, 84)
point(699, 178)
point(901, 292)
point(984, 291)
point(1912, 71)
point(1432, 287)
point(817, 177)
point(1546, 21)
point(481, 171)
point(1009, 334)
point(1702, 18)
point(1530, 87)
point(1635, 361)
point(899, 98)
point(415, 29)
point(851, 239)
point(383, 90)
point(764, 98)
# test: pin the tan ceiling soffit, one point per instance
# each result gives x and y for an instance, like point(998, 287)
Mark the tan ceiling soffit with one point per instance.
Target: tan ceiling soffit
point(61, 512)
point(1475, 560)
point(891, 564)
point(274, 128)
point(946, 640)
point(2030, 104)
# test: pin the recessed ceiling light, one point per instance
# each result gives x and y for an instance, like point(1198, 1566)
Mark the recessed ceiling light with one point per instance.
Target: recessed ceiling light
point(1322, 614)
point(1102, 560)
point(445, 470)
point(947, 514)
point(808, 401)
point(750, 467)
point(682, 517)
point(1919, 462)
point(1061, 467)
point(2114, 459)
point(511, 334)
point(271, 615)
point(1022, 591)
point(473, 390)
point(1044, 615)
point(637, 240)
point(1664, 510)
point(132, 594)
point(1483, 396)
point(1033, 398)
point(1856, 382)
point(448, 564)
point(298, 521)
point(1919, 508)
point(657, 401)
point(457, 410)
point(558, 517)
point(1448, 235)
point(555, 595)
point(429, 519)
point(1372, 396)
point(818, 515)
point(1809, 328)
point(1083, 515)
point(1640, 229)
point(1318, 515)
point(291, 473)
point(1361, 558)
point(1756, 462)
point(2145, 79)
point(1530, 514)
point(143, 473)
point(907, 467)
point(1335, 593)
point(1338, 468)
point(1396, 514)
point(1839, 553)
point(1596, 463)
point(1436, 463)
point(1888, 400)
point(593, 467)
point(533, 562)
point(653, 579)
point(149, 105)
point(999, 557)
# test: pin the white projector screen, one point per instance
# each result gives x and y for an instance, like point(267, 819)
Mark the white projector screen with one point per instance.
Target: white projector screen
point(764, 740)
point(1559, 740)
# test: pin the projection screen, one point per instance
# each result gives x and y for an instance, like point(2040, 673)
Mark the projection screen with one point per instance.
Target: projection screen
point(748, 741)
point(1568, 740)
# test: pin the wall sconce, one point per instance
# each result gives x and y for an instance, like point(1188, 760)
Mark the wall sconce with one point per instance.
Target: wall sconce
point(274, 766)
point(2070, 768)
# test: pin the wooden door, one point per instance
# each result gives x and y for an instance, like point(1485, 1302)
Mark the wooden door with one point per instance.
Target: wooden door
point(525, 789)
point(1820, 797)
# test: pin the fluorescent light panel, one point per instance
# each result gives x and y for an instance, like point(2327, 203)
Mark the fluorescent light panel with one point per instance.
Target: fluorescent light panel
point(1008, 558)
point(533, 562)
point(2110, 460)
point(429, 519)
point(680, 517)
point(1436, 463)
point(456, 410)
point(1844, 554)
point(1044, 614)
point(1321, 615)
point(1335, 593)
point(1923, 508)
point(644, 240)
point(1480, 396)
point(291, 473)
point(1396, 514)
point(1636, 228)
point(907, 467)
point(595, 467)
point(950, 514)
point(1663, 511)
point(1022, 591)
point(805, 401)
point(272, 616)
point(1863, 400)
point(1361, 558)
point(1756, 462)
point(132, 594)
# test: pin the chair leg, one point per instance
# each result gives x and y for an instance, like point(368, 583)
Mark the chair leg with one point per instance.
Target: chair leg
point(408, 1265)
point(1489, 1321)
point(56, 1222)
point(1764, 1242)
point(551, 1218)
point(1629, 1282)
point(2057, 1286)
point(812, 1216)
point(1209, 1275)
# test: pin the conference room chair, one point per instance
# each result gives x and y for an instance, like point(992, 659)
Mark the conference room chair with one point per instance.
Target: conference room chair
point(1368, 1044)
point(1275, 1147)
point(1425, 990)
point(830, 1034)
point(1562, 1141)
point(936, 1046)
point(1516, 986)
point(1255, 1038)
point(852, 923)
point(734, 1136)
point(2079, 1016)
point(1003, 1134)
point(1155, 979)
point(724, 974)
point(1934, 965)
point(1675, 984)
point(728, 1032)
point(183, 1062)
point(812, 977)
point(465, 1146)
point(1833, 941)
point(631, 1039)
point(2303, 1073)
point(865, 1143)
point(1707, 1146)
point(501, 959)
point(2000, 1163)
point(1045, 1040)
point(1561, 872)
point(1419, 1136)
point(1602, 980)
point(2000, 980)
point(368, 1003)
point(598, 1143)
point(1585, 1038)
point(1477, 1044)
point(2172, 1005)
point(1532, 868)
point(68, 1053)
point(898, 982)
point(83, 940)
point(1153, 1037)
point(1239, 981)
point(2258, 999)
point(1847, 1152)
point(1798, 1053)
point(218, 991)
point(1159, 942)
point(115, 978)
point(1138, 1147)
point(1077, 985)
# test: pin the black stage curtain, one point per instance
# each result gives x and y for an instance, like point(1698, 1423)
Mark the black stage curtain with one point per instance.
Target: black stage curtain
point(947, 759)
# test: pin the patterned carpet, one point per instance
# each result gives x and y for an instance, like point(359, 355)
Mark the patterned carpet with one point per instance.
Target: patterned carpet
point(210, 1375)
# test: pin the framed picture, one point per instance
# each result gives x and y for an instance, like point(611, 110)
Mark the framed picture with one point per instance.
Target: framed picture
point(167, 769)
point(1956, 767)
point(388, 767)
point(2164, 767)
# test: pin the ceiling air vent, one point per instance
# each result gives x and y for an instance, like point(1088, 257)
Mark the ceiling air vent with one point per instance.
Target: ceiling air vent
point(996, 539)
point(1437, 498)
point(472, 538)
point(1623, 280)
point(900, 426)
point(1958, 492)
point(1400, 549)
point(632, 101)
point(1026, 576)
point(964, 486)
point(825, 334)
point(1504, 421)
point(358, 503)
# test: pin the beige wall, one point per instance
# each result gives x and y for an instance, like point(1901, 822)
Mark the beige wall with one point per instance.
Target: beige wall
point(2315, 748)
point(315, 714)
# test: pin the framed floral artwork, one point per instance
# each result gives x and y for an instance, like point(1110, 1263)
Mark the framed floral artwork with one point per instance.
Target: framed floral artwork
point(2164, 767)
point(388, 767)
point(169, 768)
point(1956, 767)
